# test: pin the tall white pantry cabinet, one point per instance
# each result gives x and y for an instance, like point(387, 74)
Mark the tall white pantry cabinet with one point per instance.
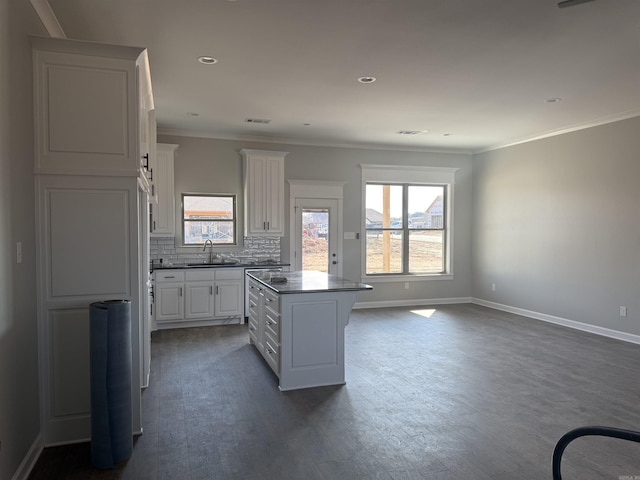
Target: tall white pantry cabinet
point(95, 130)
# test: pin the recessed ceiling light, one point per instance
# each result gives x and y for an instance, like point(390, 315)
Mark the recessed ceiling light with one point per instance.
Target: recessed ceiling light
point(367, 79)
point(207, 60)
point(553, 100)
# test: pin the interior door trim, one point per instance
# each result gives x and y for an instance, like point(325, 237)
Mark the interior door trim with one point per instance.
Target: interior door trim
point(315, 189)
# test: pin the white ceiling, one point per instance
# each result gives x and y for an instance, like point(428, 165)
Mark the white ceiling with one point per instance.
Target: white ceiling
point(479, 70)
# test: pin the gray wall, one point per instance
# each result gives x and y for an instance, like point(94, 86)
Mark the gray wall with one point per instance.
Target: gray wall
point(556, 226)
point(19, 410)
point(209, 165)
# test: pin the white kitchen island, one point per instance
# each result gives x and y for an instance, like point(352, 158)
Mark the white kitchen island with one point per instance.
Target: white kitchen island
point(298, 325)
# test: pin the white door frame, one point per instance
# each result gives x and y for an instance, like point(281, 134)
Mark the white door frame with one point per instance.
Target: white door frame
point(315, 189)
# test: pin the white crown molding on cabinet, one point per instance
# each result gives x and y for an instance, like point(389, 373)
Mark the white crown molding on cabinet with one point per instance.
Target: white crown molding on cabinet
point(48, 18)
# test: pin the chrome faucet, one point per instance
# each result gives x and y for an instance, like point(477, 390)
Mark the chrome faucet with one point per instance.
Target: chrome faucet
point(210, 249)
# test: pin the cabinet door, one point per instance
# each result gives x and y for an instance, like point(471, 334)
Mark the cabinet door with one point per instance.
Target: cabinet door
point(228, 298)
point(274, 195)
point(163, 213)
point(264, 192)
point(169, 304)
point(255, 220)
point(81, 89)
point(199, 301)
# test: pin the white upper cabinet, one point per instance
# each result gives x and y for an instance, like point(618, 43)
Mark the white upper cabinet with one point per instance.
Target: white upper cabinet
point(263, 192)
point(163, 215)
point(92, 108)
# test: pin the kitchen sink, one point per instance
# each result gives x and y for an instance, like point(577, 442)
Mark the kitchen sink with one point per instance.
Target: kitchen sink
point(215, 262)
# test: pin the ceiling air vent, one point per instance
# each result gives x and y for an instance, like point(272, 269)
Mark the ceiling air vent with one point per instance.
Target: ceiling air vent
point(264, 121)
point(408, 132)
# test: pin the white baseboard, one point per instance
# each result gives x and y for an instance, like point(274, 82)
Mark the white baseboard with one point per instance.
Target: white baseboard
point(412, 303)
point(585, 327)
point(29, 460)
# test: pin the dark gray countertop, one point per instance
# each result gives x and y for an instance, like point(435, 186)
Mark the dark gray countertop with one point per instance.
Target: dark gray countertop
point(257, 265)
point(309, 281)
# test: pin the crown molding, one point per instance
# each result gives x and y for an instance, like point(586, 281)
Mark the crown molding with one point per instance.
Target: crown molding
point(309, 143)
point(48, 18)
point(561, 131)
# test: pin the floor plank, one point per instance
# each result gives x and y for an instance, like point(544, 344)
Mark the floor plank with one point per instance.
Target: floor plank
point(445, 392)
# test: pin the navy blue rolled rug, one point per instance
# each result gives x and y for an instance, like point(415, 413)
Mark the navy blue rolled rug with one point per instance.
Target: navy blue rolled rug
point(110, 347)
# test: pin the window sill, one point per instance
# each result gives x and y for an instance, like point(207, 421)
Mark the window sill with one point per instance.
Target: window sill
point(406, 278)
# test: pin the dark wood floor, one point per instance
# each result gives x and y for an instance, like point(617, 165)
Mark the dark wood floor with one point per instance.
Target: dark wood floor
point(453, 392)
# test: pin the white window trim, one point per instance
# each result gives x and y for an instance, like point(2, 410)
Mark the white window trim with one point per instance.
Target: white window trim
point(414, 175)
point(182, 247)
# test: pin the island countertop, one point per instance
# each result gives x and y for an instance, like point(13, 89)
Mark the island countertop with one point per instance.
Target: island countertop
point(307, 281)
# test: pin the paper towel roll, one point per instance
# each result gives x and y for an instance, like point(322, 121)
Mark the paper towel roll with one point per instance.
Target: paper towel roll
point(111, 418)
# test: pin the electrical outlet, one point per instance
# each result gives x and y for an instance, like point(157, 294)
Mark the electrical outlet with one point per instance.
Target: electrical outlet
point(19, 252)
point(623, 311)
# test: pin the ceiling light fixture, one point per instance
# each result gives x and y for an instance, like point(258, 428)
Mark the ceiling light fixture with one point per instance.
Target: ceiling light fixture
point(263, 121)
point(206, 60)
point(366, 79)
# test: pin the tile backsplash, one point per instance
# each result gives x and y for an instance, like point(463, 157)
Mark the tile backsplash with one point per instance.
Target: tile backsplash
point(254, 248)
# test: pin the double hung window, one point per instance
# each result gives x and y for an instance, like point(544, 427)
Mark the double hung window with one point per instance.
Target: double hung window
point(208, 217)
point(405, 228)
point(407, 221)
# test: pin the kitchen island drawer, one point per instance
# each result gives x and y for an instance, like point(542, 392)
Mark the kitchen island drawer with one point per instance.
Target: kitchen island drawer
point(272, 354)
point(272, 300)
point(272, 324)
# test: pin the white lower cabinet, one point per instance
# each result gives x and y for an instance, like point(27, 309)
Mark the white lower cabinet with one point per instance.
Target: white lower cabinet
point(229, 292)
point(188, 297)
point(199, 303)
point(169, 301)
